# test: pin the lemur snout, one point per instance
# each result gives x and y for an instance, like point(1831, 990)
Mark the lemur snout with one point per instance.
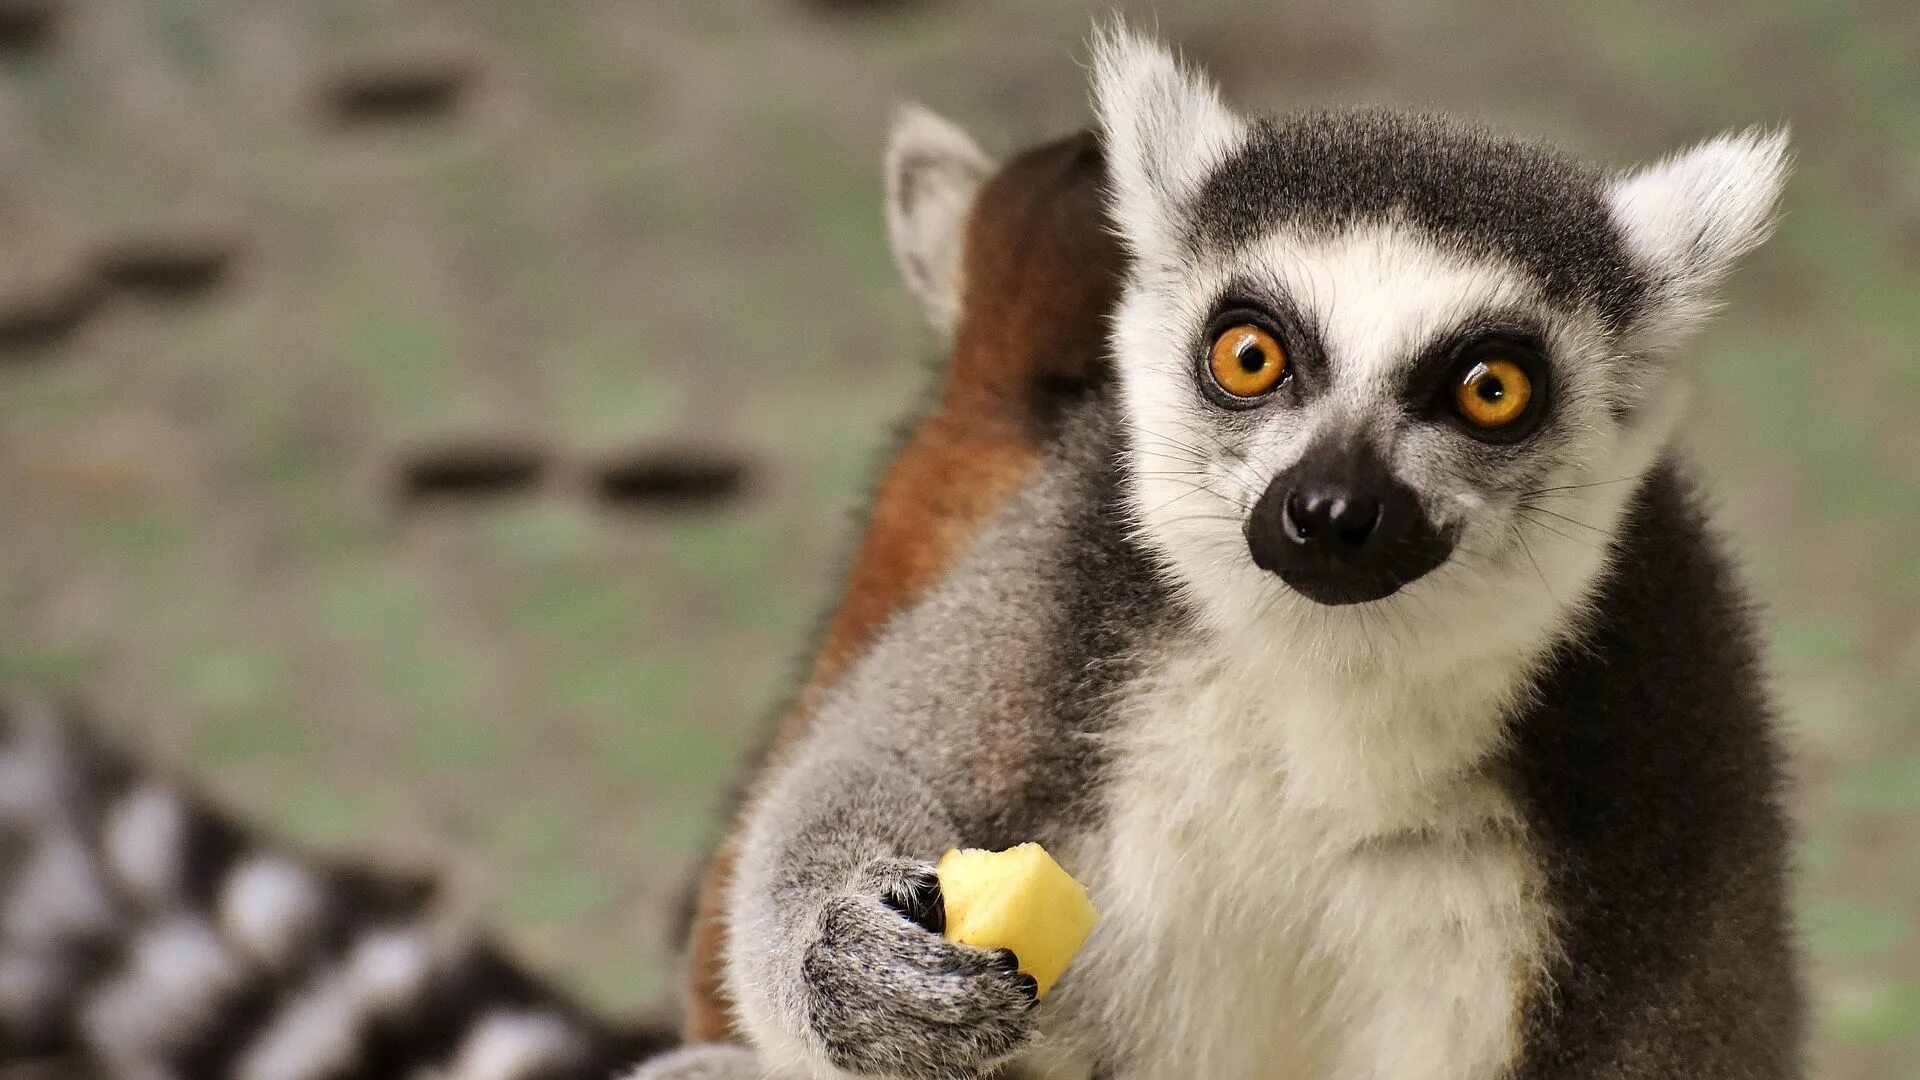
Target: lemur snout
point(1340, 529)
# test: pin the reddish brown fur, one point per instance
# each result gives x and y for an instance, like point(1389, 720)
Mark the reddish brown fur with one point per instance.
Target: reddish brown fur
point(1041, 276)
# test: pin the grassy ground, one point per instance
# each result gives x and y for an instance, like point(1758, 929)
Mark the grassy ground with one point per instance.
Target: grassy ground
point(656, 226)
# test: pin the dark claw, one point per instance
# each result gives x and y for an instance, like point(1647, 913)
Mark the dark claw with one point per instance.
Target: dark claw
point(1006, 961)
point(917, 896)
point(1031, 986)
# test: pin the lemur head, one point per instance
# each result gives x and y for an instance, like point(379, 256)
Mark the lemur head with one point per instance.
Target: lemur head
point(1387, 374)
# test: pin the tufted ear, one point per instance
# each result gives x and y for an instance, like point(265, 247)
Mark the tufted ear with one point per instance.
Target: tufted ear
point(1687, 219)
point(1165, 129)
point(934, 170)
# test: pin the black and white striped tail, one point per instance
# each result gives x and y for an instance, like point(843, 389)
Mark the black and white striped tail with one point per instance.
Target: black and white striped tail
point(156, 939)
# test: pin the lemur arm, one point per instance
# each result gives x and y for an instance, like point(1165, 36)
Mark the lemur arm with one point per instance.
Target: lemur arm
point(840, 809)
point(835, 960)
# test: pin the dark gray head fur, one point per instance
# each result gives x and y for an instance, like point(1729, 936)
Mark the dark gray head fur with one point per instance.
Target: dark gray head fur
point(1484, 193)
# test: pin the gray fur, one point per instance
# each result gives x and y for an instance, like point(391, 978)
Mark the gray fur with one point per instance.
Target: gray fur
point(990, 742)
point(716, 1061)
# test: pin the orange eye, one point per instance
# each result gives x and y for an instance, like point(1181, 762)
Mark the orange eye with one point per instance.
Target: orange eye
point(1493, 393)
point(1246, 361)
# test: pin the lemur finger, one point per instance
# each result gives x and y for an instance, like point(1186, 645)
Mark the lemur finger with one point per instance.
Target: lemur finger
point(916, 894)
point(869, 961)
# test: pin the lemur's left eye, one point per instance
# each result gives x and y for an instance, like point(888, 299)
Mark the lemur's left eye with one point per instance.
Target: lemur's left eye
point(1246, 361)
point(1492, 393)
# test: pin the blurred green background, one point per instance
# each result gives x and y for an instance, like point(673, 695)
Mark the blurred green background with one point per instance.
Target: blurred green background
point(258, 257)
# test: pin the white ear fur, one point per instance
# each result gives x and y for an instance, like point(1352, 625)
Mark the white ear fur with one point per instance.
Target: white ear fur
point(933, 172)
point(1165, 130)
point(1689, 217)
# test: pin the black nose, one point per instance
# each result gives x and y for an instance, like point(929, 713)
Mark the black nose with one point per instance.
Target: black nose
point(1332, 518)
point(1340, 528)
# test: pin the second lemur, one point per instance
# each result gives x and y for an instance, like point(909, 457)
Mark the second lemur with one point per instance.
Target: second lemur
point(1365, 651)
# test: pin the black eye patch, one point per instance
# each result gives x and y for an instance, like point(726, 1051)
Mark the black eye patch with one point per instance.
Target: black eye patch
point(1433, 367)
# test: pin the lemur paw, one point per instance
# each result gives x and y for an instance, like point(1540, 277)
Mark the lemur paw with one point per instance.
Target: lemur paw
point(887, 994)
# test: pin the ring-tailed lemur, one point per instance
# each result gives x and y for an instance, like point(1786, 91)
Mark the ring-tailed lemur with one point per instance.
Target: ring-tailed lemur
point(1018, 271)
point(152, 938)
point(1366, 653)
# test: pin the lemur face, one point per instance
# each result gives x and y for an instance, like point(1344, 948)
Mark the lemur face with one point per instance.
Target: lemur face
point(1392, 360)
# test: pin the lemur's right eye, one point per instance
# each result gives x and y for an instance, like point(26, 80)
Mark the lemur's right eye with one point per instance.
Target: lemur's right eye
point(1246, 361)
point(1493, 393)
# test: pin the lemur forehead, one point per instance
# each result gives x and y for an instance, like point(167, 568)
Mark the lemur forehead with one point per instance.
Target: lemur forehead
point(1475, 191)
point(1376, 298)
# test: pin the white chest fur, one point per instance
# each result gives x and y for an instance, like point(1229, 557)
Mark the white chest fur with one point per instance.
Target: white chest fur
point(1302, 878)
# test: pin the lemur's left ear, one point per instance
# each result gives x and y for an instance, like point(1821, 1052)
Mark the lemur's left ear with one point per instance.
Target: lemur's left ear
point(934, 170)
point(1689, 218)
point(1166, 130)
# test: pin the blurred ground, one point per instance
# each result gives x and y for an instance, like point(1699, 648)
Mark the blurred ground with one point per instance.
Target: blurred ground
point(322, 323)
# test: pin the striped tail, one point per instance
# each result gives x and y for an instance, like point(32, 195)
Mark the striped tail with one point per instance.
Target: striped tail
point(149, 935)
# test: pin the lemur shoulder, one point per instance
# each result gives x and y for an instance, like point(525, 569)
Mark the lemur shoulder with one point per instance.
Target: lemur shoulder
point(1365, 651)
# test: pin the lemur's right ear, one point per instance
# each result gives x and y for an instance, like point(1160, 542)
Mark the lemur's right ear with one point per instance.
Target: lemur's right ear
point(934, 170)
point(1689, 218)
point(1165, 129)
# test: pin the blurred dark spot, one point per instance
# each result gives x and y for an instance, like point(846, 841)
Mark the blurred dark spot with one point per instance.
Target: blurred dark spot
point(43, 316)
point(671, 477)
point(857, 7)
point(469, 471)
point(27, 24)
point(420, 89)
point(165, 266)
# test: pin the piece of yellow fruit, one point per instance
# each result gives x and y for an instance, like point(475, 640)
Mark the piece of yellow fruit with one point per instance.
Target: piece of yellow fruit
point(1017, 899)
